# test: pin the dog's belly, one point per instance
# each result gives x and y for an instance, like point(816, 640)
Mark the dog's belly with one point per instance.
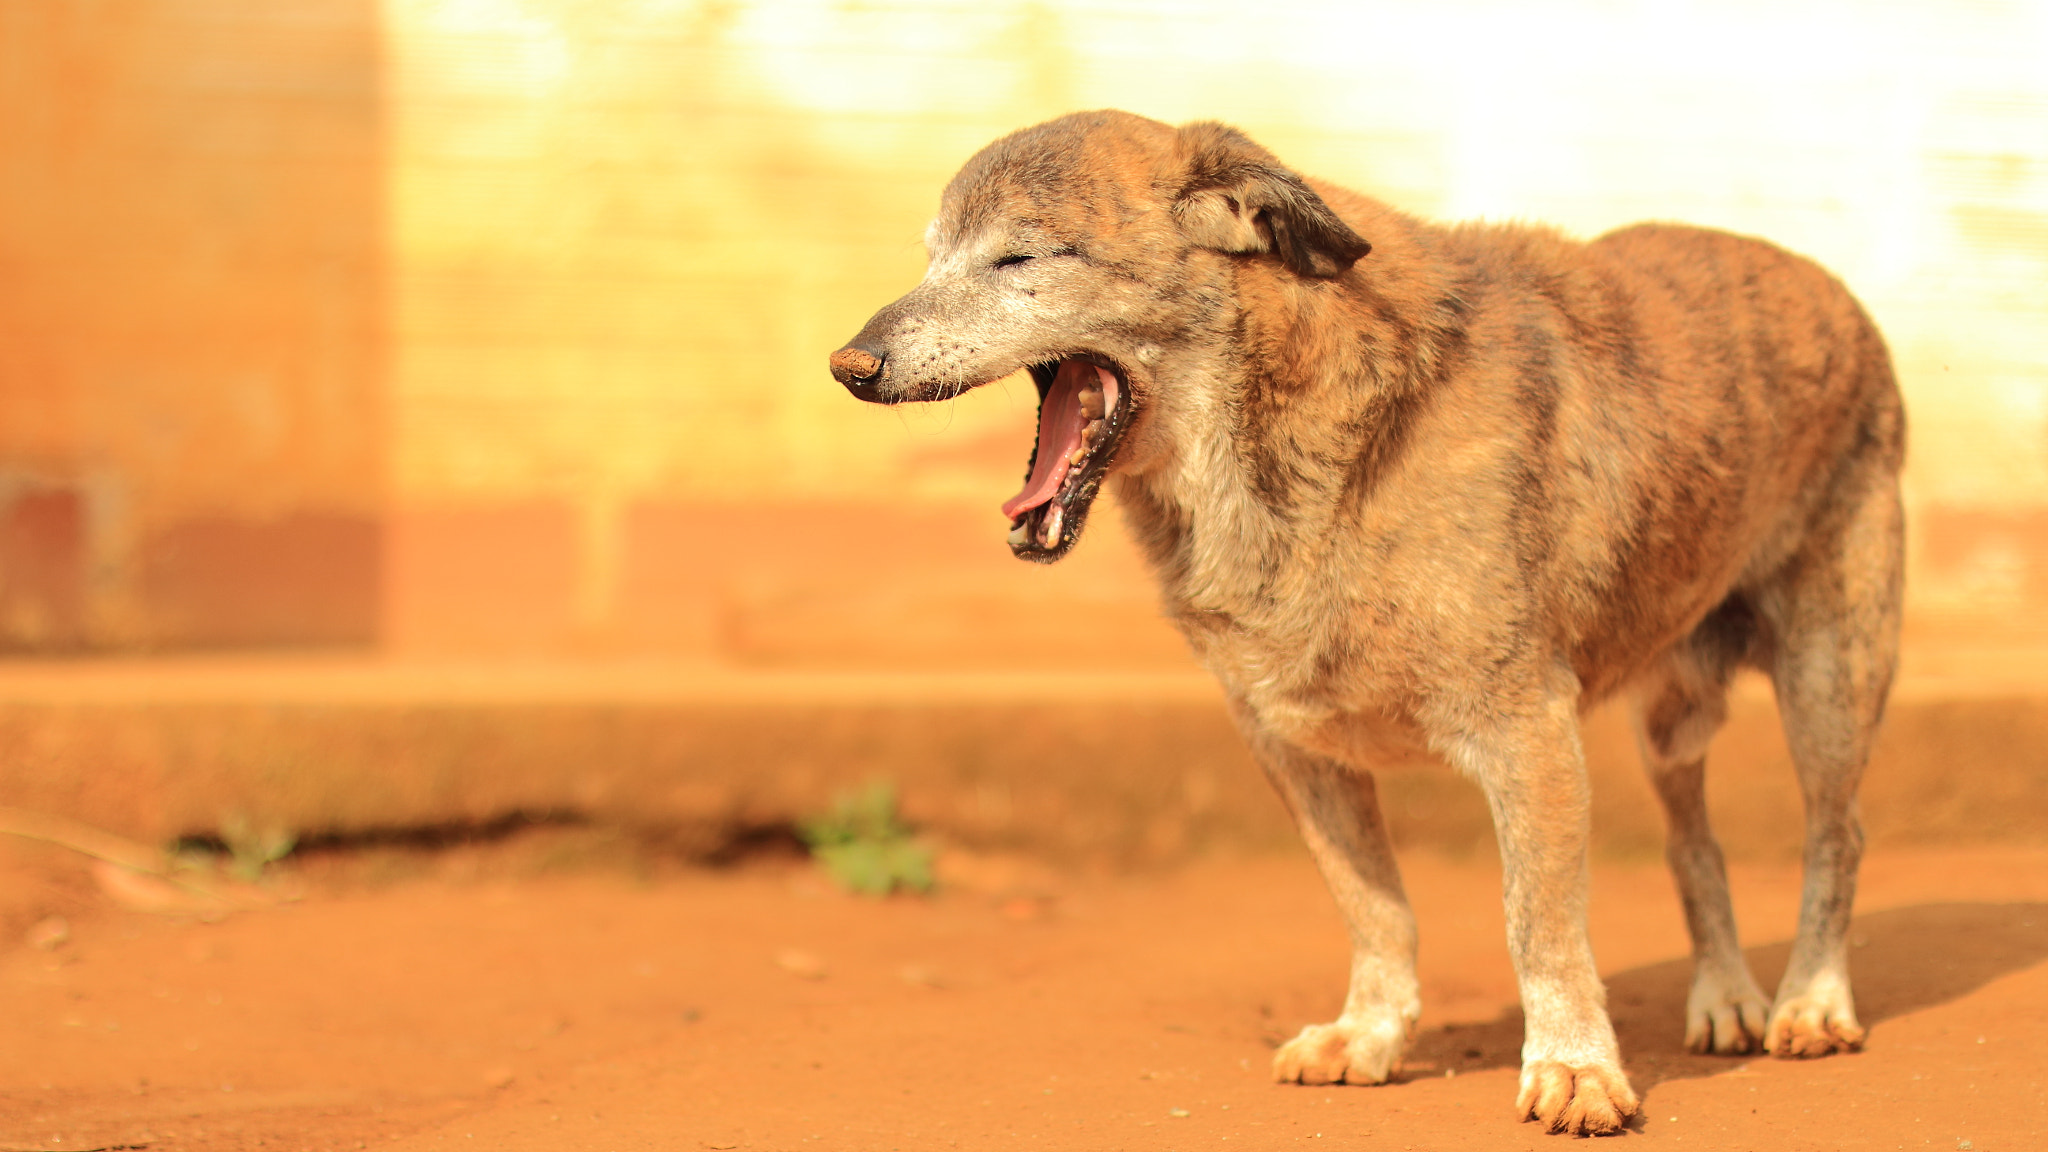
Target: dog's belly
point(1371, 736)
point(1365, 734)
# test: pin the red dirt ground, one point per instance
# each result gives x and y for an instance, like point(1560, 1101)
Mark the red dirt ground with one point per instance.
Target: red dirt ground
point(473, 1003)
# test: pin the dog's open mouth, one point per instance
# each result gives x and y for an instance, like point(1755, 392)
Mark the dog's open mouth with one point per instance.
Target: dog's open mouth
point(1083, 410)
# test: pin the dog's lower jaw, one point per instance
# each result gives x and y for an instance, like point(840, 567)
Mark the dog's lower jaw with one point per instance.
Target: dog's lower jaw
point(1085, 408)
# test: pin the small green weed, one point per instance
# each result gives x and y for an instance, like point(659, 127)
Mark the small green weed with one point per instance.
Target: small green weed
point(251, 848)
point(865, 847)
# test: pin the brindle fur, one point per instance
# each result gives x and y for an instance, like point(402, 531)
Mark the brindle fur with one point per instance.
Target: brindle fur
point(1438, 494)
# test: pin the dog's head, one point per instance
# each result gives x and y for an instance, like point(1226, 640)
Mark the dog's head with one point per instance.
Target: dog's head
point(1083, 250)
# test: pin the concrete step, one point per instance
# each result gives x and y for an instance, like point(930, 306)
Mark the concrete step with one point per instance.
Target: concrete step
point(1122, 767)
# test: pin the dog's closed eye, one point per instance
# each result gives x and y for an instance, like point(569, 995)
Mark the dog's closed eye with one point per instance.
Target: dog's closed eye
point(1020, 257)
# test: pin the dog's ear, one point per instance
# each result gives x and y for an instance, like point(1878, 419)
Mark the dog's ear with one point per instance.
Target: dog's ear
point(1238, 197)
point(1234, 196)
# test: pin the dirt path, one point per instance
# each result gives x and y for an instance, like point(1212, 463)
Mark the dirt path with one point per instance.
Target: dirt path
point(757, 1009)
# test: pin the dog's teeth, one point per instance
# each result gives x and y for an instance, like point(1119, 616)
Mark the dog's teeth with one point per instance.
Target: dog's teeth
point(1090, 433)
point(1091, 403)
point(1020, 534)
point(1077, 455)
point(1053, 518)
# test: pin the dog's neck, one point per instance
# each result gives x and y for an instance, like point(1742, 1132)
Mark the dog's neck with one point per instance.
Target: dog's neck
point(1221, 514)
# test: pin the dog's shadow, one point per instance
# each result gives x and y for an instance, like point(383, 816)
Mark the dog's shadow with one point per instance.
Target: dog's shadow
point(1902, 960)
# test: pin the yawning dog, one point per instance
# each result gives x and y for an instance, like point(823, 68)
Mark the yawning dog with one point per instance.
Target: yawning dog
point(1412, 489)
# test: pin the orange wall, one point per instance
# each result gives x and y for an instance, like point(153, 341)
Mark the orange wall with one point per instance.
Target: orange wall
point(497, 326)
point(191, 284)
point(624, 237)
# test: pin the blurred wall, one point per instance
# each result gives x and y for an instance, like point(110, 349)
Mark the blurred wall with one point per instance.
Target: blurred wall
point(191, 305)
point(622, 248)
point(584, 294)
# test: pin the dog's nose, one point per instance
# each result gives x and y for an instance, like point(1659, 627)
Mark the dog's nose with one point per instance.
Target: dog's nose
point(858, 369)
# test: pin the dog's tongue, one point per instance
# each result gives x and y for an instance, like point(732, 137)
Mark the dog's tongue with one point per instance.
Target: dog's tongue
point(1059, 433)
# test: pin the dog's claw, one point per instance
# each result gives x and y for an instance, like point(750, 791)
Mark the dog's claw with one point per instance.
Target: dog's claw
point(1341, 1053)
point(1727, 1029)
point(1594, 1100)
point(1806, 1027)
point(1725, 1015)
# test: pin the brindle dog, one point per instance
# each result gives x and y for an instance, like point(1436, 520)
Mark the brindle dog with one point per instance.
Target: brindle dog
point(1411, 488)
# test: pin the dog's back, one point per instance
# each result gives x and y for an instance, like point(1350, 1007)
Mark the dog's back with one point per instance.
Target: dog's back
point(1671, 407)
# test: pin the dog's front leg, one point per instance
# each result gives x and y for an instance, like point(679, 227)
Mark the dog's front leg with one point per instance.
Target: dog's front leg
point(1534, 774)
point(1338, 811)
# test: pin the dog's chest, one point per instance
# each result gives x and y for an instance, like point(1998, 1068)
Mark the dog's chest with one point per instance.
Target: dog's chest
point(1331, 701)
point(1299, 658)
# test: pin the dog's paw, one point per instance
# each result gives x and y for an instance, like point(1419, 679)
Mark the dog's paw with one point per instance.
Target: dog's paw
point(1803, 1027)
point(1341, 1053)
point(1725, 1014)
point(1587, 1100)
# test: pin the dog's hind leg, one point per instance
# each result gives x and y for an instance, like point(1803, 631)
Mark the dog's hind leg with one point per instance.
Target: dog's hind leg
point(1677, 707)
point(1339, 814)
point(1835, 614)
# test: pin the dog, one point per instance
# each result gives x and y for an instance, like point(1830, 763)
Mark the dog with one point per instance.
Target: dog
point(1412, 489)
